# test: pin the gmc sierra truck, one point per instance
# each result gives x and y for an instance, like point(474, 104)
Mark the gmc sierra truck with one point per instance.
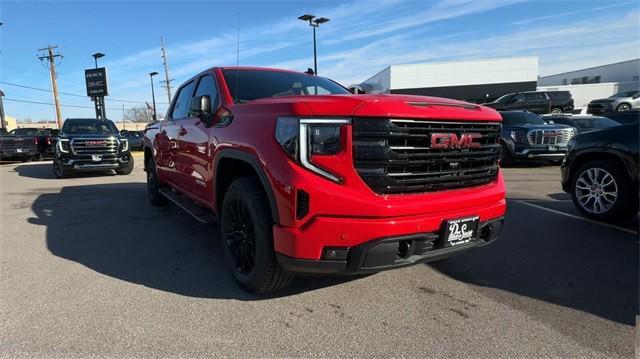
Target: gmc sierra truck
point(304, 177)
point(90, 145)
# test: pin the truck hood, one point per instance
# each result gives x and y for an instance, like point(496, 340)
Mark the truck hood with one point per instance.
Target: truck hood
point(529, 127)
point(394, 106)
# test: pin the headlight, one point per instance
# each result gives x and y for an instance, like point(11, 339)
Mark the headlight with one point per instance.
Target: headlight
point(302, 138)
point(63, 145)
point(124, 145)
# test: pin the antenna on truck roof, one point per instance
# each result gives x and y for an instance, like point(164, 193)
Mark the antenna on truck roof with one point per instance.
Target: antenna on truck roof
point(235, 100)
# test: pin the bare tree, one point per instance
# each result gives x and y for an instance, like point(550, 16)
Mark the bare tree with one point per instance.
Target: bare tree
point(138, 114)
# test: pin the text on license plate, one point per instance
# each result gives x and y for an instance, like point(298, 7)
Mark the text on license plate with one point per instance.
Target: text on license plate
point(460, 231)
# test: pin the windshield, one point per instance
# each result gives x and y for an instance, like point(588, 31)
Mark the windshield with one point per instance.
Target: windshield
point(504, 98)
point(624, 94)
point(521, 118)
point(256, 84)
point(89, 126)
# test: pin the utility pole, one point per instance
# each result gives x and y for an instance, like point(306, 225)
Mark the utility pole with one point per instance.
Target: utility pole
point(123, 125)
point(167, 80)
point(51, 57)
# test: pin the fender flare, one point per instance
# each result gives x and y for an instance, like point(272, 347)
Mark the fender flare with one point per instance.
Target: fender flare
point(253, 161)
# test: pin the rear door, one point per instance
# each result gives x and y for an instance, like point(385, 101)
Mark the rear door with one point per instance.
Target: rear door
point(196, 146)
point(166, 141)
point(537, 102)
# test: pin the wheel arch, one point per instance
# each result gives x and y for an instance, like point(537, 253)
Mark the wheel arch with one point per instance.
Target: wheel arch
point(609, 156)
point(231, 164)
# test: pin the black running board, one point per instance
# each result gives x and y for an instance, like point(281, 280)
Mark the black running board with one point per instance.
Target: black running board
point(198, 212)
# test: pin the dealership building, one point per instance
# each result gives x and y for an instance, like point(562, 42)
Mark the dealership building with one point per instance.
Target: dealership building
point(626, 74)
point(470, 80)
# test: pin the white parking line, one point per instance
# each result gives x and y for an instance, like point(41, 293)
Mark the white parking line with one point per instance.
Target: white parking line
point(577, 217)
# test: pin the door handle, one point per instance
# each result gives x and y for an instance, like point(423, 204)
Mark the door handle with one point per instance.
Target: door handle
point(182, 131)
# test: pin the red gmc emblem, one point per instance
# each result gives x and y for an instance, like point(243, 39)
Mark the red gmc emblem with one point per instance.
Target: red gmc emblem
point(452, 141)
point(95, 143)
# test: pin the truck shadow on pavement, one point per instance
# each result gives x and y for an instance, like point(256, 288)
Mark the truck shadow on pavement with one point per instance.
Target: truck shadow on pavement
point(112, 229)
point(44, 170)
point(556, 259)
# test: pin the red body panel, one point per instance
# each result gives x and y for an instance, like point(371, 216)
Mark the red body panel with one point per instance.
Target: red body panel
point(345, 214)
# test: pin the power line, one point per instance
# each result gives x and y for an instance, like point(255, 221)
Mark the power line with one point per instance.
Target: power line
point(69, 94)
point(49, 103)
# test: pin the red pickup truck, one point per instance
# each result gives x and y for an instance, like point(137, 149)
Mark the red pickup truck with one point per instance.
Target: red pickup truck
point(304, 177)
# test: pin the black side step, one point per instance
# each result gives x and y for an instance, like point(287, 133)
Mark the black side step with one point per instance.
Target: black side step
point(194, 209)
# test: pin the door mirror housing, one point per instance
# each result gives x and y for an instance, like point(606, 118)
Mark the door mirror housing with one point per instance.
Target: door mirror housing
point(201, 108)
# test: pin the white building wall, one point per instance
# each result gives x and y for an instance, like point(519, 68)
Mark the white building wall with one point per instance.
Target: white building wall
point(583, 94)
point(461, 73)
point(626, 71)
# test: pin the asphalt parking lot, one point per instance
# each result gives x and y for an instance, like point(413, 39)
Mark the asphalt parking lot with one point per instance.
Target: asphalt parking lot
point(90, 268)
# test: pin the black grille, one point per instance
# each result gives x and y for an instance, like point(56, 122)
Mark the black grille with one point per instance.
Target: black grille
point(394, 156)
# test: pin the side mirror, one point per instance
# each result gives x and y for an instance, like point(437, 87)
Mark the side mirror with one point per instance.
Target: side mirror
point(200, 106)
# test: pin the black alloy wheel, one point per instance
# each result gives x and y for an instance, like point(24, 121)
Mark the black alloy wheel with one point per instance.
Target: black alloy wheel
point(240, 238)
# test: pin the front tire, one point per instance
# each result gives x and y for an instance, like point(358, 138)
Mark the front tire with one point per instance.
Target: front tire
point(127, 169)
point(505, 156)
point(247, 238)
point(602, 190)
point(623, 107)
point(59, 171)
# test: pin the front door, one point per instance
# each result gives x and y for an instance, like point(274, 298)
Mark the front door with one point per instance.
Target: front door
point(196, 146)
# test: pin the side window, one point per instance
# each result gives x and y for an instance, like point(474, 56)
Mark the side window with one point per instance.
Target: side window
point(183, 100)
point(207, 86)
point(532, 96)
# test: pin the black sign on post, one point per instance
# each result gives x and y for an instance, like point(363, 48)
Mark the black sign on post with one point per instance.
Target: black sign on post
point(96, 82)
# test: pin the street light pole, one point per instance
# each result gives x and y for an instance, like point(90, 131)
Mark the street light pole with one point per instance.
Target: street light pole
point(153, 95)
point(314, 22)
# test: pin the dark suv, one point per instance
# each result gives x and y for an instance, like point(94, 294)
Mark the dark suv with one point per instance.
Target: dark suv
point(601, 172)
point(89, 144)
point(540, 102)
point(526, 136)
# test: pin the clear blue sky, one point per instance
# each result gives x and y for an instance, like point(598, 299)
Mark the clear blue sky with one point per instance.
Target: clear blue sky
point(362, 38)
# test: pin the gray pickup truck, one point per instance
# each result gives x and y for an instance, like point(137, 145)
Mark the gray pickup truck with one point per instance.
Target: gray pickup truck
point(19, 148)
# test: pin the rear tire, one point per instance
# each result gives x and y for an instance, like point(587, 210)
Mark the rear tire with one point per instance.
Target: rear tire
point(602, 190)
point(247, 238)
point(153, 186)
point(556, 111)
point(128, 169)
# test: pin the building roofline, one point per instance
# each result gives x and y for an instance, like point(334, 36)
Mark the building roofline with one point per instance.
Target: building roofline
point(377, 73)
point(467, 60)
point(590, 68)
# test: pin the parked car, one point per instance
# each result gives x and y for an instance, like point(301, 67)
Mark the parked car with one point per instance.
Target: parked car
point(601, 172)
point(528, 137)
point(134, 138)
point(540, 102)
point(620, 102)
point(326, 184)
point(46, 138)
point(15, 147)
point(583, 123)
point(89, 144)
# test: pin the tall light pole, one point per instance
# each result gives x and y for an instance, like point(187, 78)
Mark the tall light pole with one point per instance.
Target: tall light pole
point(153, 95)
point(314, 22)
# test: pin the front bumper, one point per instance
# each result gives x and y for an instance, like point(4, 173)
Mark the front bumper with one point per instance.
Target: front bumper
point(392, 252)
point(600, 108)
point(541, 153)
point(85, 163)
